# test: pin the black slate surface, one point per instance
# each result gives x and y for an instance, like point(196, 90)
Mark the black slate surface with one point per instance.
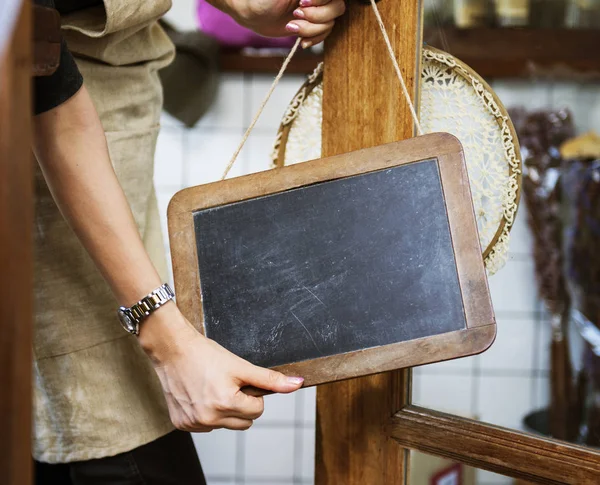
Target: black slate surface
point(330, 268)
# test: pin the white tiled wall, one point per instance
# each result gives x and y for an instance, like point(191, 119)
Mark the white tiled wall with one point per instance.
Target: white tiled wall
point(500, 386)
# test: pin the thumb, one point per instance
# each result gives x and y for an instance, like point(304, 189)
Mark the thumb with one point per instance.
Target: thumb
point(271, 380)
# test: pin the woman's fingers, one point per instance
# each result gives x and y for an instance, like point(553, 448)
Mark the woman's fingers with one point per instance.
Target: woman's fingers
point(236, 424)
point(236, 412)
point(314, 3)
point(185, 420)
point(255, 391)
point(305, 29)
point(203, 386)
point(247, 407)
point(316, 20)
point(306, 43)
point(321, 14)
point(269, 380)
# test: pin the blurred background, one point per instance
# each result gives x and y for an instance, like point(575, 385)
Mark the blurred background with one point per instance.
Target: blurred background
point(542, 375)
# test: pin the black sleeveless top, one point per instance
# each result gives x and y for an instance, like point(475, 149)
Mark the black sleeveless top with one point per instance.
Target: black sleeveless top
point(52, 91)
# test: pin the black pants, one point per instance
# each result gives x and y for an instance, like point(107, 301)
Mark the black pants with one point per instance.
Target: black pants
point(170, 460)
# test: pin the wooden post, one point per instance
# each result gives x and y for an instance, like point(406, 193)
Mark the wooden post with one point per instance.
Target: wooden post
point(363, 106)
point(16, 248)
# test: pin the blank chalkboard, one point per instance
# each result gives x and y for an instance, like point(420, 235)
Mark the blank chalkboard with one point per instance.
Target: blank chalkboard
point(334, 267)
point(340, 267)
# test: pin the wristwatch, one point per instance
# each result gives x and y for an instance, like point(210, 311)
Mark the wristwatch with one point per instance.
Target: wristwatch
point(132, 317)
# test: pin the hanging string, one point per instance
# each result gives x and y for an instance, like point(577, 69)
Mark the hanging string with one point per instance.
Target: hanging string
point(440, 28)
point(262, 107)
point(284, 67)
point(413, 112)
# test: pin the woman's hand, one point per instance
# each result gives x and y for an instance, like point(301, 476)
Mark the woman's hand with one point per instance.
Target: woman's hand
point(201, 380)
point(310, 19)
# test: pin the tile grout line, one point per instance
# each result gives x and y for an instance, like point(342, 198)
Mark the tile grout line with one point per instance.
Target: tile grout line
point(298, 438)
point(185, 169)
point(281, 424)
point(216, 128)
point(240, 459)
point(491, 372)
point(516, 314)
point(475, 377)
point(247, 82)
point(536, 356)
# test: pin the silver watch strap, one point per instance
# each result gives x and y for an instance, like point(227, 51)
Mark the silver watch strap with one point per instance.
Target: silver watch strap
point(151, 302)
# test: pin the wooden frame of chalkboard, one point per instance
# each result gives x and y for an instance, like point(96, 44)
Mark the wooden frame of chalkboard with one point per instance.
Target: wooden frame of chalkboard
point(480, 329)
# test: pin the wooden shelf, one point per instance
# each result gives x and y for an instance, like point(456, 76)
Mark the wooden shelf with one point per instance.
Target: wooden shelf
point(236, 61)
point(492, 52)
point(504, 53)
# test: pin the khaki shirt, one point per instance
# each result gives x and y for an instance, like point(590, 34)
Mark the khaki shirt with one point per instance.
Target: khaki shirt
point(95, 392)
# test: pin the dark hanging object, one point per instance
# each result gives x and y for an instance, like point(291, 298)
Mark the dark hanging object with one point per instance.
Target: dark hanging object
point(540, 136)
point(190, 82)
point(582, 194)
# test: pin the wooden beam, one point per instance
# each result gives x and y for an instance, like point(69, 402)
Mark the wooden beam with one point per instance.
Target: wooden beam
point(16, 223)
point(362, 107)
point(500, 450)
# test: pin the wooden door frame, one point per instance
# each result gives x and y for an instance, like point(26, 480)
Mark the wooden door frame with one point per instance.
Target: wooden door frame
point(366, 426)
point(16, 248)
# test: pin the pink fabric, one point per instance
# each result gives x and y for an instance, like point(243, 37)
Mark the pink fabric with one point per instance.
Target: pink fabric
point(229, 33)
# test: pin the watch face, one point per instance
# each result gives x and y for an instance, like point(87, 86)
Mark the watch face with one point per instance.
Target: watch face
point(126, 320)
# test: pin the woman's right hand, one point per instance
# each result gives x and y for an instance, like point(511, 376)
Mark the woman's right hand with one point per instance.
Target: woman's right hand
point(312, 20)
point(201, 380)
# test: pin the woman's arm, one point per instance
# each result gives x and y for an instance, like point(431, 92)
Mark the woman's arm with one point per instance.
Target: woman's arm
point(71, 148)
point(201, 380)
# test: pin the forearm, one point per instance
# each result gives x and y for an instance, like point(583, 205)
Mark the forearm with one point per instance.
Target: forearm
point(70, 146)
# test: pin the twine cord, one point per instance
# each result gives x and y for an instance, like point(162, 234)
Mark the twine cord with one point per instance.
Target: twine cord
point(262, 107)
point(386, 38)
point(283, 68)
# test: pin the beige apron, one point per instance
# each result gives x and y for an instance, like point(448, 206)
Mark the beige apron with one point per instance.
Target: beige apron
point(96, 393)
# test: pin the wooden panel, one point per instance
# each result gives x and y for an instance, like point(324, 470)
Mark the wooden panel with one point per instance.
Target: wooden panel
point(16, 220)
point(362, 107)
point(499, 450)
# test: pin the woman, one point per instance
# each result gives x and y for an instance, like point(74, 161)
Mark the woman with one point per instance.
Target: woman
point(106, 401)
